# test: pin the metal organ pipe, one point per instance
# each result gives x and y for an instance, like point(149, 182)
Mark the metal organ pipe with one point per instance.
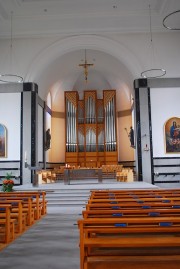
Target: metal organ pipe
point(70, 127)
point(110, 141)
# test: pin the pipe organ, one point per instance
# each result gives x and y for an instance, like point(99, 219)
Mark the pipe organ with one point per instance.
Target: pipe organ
point(91, 139)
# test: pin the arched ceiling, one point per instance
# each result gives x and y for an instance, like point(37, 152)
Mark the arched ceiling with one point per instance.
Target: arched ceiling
point(65, 74)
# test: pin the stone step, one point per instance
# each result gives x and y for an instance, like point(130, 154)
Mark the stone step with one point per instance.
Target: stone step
point(68, 194)
point(63, 199)
point(76, 198)
point(66, 203)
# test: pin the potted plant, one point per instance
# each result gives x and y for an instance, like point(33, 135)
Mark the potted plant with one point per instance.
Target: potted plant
point(8, 183)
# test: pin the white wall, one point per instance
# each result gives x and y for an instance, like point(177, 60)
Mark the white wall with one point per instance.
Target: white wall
point(40, 133)
point(164, 105)
point(10, 118)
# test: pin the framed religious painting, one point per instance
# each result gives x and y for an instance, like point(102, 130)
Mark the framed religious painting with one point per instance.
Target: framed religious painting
point(172, 135)
point(3, 141)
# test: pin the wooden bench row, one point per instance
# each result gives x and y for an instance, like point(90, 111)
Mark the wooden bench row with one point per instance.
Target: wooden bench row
point(130, 236)
point(19, 210)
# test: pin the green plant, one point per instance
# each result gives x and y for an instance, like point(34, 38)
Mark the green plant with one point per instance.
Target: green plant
point(8, 176)
point(8, 183)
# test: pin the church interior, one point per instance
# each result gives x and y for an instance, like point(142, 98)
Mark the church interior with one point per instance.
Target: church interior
point(89, 134)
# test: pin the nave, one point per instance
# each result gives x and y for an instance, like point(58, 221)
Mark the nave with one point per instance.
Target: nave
point(53, 242)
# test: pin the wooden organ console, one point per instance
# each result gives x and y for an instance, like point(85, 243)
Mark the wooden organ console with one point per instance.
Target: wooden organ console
point(91, 138)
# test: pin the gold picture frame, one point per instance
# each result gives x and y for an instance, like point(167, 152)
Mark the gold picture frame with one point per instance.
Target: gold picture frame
point(3, 141)
point(172, 135)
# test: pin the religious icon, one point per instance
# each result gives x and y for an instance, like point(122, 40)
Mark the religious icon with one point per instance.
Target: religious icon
point(172, 135)
point(2, 141)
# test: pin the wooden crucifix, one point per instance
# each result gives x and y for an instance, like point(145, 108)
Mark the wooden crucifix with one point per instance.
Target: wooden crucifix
point(85, 65)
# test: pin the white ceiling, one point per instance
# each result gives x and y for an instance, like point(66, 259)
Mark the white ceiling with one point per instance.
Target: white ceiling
point(47, 17)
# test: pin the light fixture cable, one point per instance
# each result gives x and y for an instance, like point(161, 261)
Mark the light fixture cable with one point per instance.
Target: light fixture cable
point(10, 77)
point(152, 72)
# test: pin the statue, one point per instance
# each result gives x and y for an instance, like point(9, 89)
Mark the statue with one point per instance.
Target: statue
point(131, 136)
point(48, 139)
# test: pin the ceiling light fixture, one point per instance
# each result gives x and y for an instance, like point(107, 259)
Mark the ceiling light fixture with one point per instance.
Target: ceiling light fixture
point(152, 72)
point(175, 16)
point(11, 78)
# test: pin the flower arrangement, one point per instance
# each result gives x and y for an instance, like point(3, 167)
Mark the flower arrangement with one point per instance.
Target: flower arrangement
point(8, 183)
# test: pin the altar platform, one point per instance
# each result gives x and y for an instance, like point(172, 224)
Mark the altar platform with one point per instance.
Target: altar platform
point(89, 184)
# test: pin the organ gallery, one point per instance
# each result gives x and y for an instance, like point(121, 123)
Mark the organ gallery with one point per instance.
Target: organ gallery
point(91, 138)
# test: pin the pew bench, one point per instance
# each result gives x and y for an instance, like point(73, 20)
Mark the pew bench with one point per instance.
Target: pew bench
point(138, 212)
point(27, 206)
point(39, 202)
point(115, 206)
point(133, 261)
point(40, 198)
point(6, 224)
point(125, 237)
point(136, 192)
point(135, 196)
point(16, 213)
point(135, 199)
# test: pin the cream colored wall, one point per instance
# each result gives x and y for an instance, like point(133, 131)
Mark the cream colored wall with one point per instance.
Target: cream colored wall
point(58, 140)
point(57, 151)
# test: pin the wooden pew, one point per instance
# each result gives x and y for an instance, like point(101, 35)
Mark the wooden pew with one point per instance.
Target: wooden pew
point(136, 191)
point(17, 213)
point(127, 195)
point(25, 208)
point(6, 223)
point(135, 199)
point(38, 200)
point(131, 229)
point(120, 205)
point(109, 241)
point(138, 212)
point(21, 205)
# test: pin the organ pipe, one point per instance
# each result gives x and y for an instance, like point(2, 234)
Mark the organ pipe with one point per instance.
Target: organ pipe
point(92, 112)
